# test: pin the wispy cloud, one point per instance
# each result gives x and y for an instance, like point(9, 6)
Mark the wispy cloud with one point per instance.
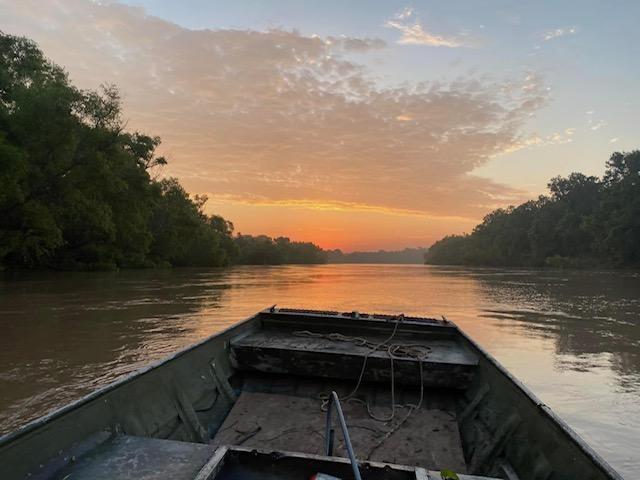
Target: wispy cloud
point(556, 138)
point(559, 32)
point(356, 44)
point(414, 33)
point(593, 123)
point(405, 13)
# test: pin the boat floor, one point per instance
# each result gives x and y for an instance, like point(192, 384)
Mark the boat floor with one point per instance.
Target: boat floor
point(278, 413)
point(287, 421)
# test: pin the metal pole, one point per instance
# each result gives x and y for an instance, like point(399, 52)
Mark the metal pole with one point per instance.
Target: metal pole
point(345, 433)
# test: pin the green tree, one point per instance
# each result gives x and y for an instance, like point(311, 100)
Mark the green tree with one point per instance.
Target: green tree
point(584, 221)
point(182, 234)
point(76, 190)
point(616, 222)
point(263, 250)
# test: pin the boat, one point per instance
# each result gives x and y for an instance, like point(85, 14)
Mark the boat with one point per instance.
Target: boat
point(304, 394)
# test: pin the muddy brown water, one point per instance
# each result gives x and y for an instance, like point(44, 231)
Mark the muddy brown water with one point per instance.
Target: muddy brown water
point(573, 337)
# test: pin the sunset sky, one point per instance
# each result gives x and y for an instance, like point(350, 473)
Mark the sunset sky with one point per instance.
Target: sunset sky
point(362, 124)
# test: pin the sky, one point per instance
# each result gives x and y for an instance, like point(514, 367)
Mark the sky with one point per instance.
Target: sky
point(359, 125)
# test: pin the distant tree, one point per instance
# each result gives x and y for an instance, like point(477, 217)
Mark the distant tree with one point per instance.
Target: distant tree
point(263, 250)
point(406, 256)
point(450, 250)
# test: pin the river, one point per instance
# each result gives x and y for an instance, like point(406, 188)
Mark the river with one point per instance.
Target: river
point(573, 337)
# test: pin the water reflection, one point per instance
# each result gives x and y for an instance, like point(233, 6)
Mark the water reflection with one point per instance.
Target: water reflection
point(573, 337)
point(589, 315)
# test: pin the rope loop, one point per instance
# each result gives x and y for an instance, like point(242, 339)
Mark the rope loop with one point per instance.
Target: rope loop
point(395, 351)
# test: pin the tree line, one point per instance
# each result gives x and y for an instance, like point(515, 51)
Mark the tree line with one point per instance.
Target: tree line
point(78, 191)
point(584, 221)
point(406, 256)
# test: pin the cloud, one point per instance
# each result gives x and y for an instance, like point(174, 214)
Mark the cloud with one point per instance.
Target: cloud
point(405, 13)
point(359, 45)
point(286, 118)
point(594, 124)
point(614, 140)
point(414, 33)
point(557, 138)
point(333, 206)
point(559, 32)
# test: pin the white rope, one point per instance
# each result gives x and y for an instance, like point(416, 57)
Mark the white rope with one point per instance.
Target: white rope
point(394, 351)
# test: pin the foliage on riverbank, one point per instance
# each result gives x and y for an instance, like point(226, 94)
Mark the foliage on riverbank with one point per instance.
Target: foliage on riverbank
point(263, 250)
point(406, 256)
point(78, 192)
point(585, 221)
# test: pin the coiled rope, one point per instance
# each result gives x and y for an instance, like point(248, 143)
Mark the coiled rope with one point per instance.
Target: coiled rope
point(394, 351)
